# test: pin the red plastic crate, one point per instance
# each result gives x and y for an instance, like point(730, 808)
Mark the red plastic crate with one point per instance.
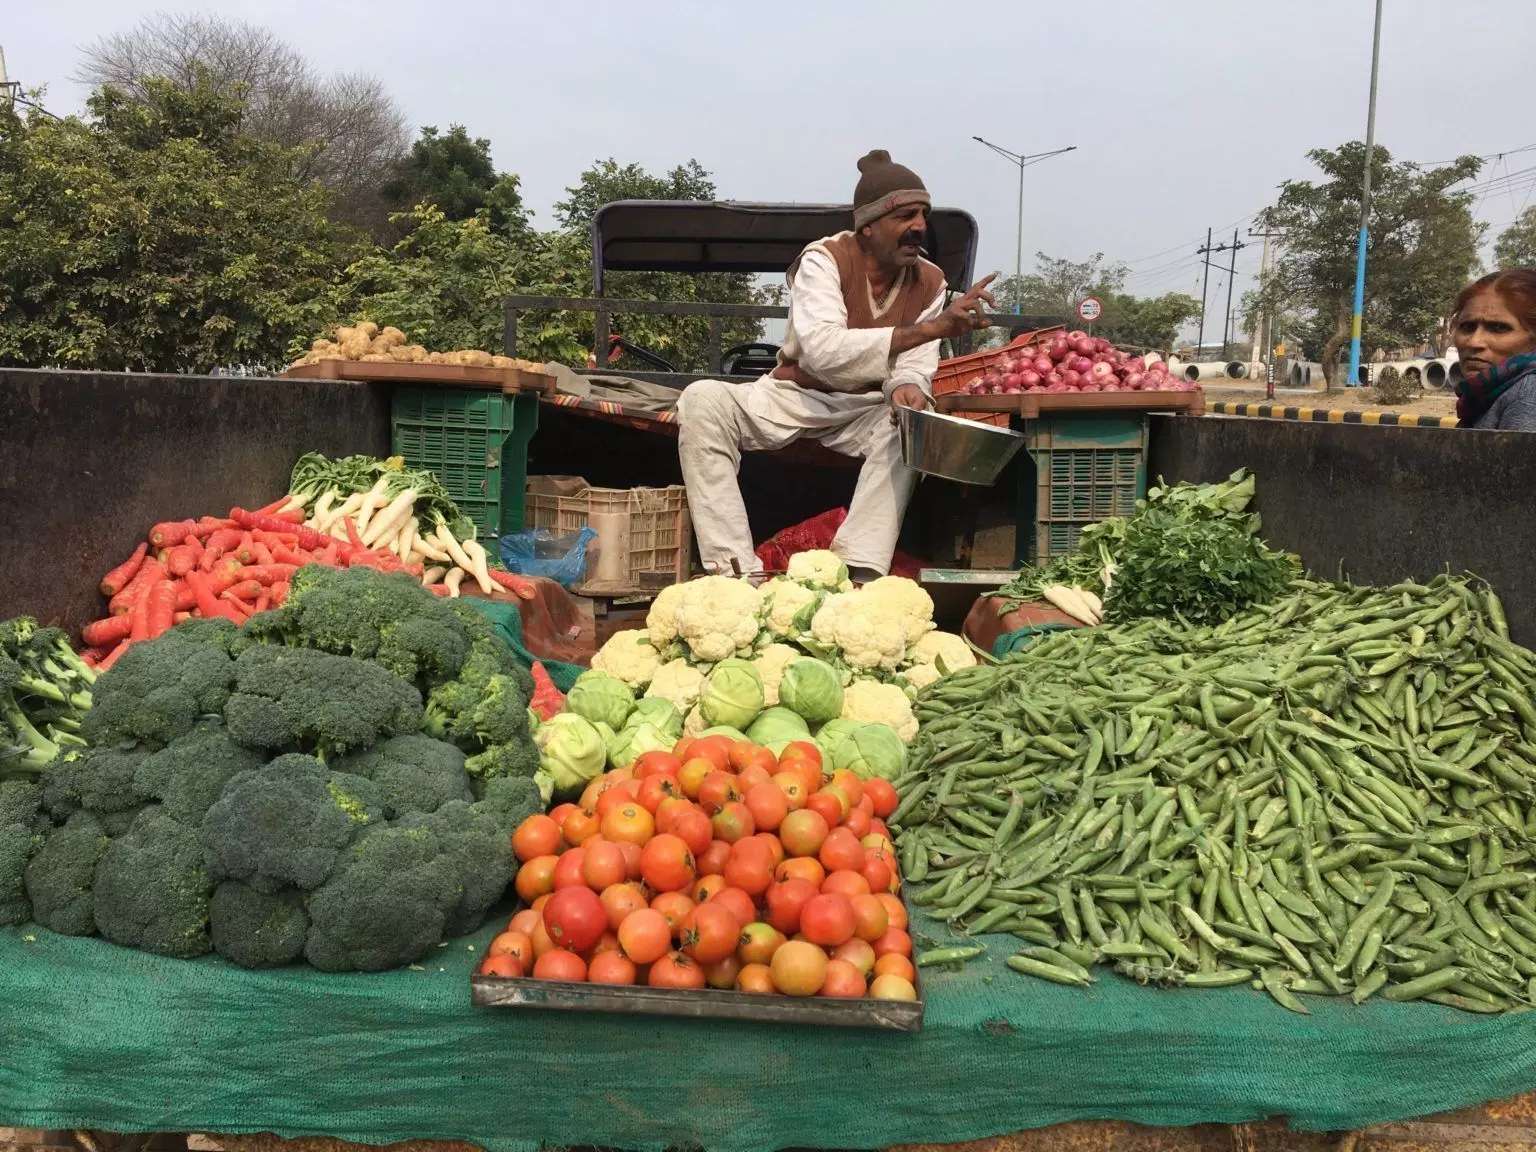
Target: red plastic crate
point(954, 374)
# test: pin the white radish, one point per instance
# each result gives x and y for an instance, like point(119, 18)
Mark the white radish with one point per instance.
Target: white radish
point(371, 500)
point(386, 525)
point(1093, 601)
point(433, 575)
point(452, 579)
point(295, 500)
point(1063, 598)
point(478, 568)
point(455, 550)
point(333, 516)
point(405, 544)
point(431, 551)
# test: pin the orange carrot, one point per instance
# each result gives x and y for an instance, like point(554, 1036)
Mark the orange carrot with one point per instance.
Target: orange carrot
point(243, 590)
point(520, 586)
point(279, 594)
point(160, 608)
point(274, 539)
point(293, 515)
point(112, 657)
point(284, 555)
point(114, 581)
point(180, 560)
point(352, 537)
point(226, 572)
point(308, 537)
point(171, 532)
point(236, 609)
point(203, 595)
point(211, 556)
point(438, 589)
point(140, 613)
point(186, 600)
point(261, 554)
point(273, 508)
point(269, 573)
point(225, 539)
point(264, 601)
point(149, 572)
point(245, 553)
point(105, 633)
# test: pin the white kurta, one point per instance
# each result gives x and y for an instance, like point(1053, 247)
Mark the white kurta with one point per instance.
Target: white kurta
point(717, 421)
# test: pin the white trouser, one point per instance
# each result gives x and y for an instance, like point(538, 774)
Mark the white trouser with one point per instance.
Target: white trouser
point(718, 421)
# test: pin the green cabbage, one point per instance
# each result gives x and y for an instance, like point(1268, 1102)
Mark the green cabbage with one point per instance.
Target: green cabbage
point(630, 743)
point(732, 696)
point(832, 733)
point(571, 750)
point(659, 712)
point(777, 727)
point(597, 696)
point(871, 750)
point(812, 689)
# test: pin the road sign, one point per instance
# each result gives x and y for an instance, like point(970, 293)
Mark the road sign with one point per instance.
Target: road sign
point(1089, 308)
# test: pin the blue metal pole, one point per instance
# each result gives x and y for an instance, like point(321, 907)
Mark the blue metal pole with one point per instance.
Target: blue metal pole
point(1365, 211)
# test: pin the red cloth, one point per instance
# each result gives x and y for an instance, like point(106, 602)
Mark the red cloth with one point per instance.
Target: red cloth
point(816, 533)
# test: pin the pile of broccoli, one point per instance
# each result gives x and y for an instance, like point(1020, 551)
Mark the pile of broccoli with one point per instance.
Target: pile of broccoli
point(335, 781)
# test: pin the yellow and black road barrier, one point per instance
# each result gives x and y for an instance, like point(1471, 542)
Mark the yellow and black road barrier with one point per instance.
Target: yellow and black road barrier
point(1329, 415)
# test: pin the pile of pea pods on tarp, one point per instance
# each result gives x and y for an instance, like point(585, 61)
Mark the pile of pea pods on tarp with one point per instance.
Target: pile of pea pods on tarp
point(1333, 794)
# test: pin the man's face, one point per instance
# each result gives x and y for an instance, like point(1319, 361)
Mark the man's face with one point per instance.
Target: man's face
point(896, 240)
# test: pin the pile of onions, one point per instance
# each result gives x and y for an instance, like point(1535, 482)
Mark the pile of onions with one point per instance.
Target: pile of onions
point(1074, 362)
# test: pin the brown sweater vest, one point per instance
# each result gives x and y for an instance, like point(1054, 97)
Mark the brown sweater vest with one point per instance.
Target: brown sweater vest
point(913, 292)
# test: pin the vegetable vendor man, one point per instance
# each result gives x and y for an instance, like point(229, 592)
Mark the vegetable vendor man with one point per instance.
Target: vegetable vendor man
point(866, 314)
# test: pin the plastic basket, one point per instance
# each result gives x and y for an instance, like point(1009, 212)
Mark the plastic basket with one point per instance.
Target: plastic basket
point(954, 374)
point(1080, 470)
point(476, 442)
point(644, 536)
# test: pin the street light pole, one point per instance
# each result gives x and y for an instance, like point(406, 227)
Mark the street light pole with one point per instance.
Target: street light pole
point(1023, 162)
point(1365, 210)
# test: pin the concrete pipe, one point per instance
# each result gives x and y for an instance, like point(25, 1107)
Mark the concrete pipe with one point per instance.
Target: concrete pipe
point(1207, 370)
point(1237, 370)
point(1412, 370)
point(1436, 373)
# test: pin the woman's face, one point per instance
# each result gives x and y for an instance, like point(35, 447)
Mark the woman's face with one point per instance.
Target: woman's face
point(1488, 333)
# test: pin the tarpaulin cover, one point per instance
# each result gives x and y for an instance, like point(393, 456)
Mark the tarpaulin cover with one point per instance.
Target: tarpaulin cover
point(96, 1036)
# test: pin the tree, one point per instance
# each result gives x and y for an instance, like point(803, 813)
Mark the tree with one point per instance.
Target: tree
point(1422, 248)
point(1516, 245)
point(1056, 285)
point(1150, 323)
point(682, 339)
point(354, 130)
point(456, 174)
point(156, 235)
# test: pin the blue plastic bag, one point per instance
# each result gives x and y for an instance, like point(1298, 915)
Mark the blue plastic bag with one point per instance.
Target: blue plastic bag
point(539, 552)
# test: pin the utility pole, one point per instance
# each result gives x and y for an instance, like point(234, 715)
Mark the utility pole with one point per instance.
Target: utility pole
point(1023, 162)
point(1204, 280)
point(1264, 337)
point(1365, 209)
point(1227, 326)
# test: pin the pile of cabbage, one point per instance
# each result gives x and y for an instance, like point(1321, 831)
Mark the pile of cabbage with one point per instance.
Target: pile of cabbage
point(804, 657)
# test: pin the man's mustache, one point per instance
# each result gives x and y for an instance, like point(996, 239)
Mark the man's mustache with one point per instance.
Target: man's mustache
point(913, 239)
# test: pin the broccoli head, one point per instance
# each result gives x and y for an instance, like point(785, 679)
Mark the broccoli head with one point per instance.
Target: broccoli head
point(257, 929)
point(415, 773)
point(481, 856)
point(21, 802)
point(519, 758)
point(188, 774)
point(287, 824)
point(510, 800)
point(387, 903)
point(98, 780)
point(152, 887)
point(288, 698)
point(60, 876)
point(17, 843)
point(485, 712)
point(156, 691)
point(116, 823)
point(214, 632)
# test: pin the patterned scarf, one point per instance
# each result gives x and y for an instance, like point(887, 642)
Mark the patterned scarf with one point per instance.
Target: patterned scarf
point(1476, 394)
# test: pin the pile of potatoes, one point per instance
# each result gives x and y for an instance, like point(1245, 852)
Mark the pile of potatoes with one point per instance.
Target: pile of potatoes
point(367, 342)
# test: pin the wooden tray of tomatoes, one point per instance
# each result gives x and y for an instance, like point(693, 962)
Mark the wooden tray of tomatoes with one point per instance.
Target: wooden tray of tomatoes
point(715, 881)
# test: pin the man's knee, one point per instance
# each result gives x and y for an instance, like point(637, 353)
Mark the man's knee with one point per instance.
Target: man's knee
point(704, 403)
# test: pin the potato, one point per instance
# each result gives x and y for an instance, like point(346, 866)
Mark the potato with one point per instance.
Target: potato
point(436, 358)
point(356, 348)
point(376, 358)
point(474, 358)
point(400, 355)
point(391, 337)
point(368, 328)
point(344, 333)
point(418, 353)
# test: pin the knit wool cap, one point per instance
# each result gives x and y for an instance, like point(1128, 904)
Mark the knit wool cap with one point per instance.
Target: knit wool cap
point(883, 187)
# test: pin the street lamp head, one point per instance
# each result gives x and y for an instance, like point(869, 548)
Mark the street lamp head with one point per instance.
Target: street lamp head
point(978, 139)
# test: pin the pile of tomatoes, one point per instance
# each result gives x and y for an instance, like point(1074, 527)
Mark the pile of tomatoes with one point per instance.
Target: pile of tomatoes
point(715, 865)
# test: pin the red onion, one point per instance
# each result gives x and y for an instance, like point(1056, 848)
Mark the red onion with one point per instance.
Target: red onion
point(1134, 380)
point(1042, 364)
point(1060, 347)
point(1101, 373)
point(1029, 377)
point(1100, 344)
point(1089, 388)
point(1058, 388)
point(1077, 334)
point(1071, 377)
point(1111, 388)
point(1053, 377)
point(1080, 364)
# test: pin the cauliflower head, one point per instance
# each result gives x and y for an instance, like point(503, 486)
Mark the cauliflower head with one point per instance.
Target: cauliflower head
point(919, 676)
point(820, 568)
point(628, 656)
point(782, 599)
point(661, 621)
point(869, 631)
point(906, 599)
point(679, 683)
point(770, 664)
point(694, 723)
point(946, 646)
point(717, 617)
point(871, 702)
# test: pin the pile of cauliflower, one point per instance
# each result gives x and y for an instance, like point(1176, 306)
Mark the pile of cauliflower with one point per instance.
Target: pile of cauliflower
point(881, 637)
point(369, 343)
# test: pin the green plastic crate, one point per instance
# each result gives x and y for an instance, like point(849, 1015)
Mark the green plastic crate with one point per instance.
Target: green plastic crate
point(476, 441)
point(1079, 470)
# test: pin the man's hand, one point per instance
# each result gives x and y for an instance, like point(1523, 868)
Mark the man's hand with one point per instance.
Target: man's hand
point(907, 396)
point(966, 313)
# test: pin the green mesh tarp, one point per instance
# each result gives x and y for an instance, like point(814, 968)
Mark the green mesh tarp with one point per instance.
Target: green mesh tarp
point(1010, 642)
point(508, 622)
point(95, 1036)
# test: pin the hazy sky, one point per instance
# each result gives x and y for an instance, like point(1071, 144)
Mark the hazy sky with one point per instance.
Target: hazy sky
point(1186, 113)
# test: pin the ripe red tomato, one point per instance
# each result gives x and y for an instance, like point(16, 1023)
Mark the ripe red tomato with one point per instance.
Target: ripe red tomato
point(524, 921)
point(828, 920)
point(870, 918)
point(536, 836)
point(758, 942)
point(568, 870)
point(733, 822)
point(738, 902)
point(857, 821)
point(711, 862)
point(718, 789)
point(710, 933)
point(751, 776)
point(768, 805)
point(749, 867)
point(536, 878)
point(631, 859)
point(575, 918)
point(843, 981)
point(674, 908)
point(644, 936)
point(807, 750)
point(518, 945)
point(619, 900)
point(579, 826)
point(666, 864)
point(744, 754)
point(848, 782)
point(715, 749)
point(841, 849)
point(827, 805)
point(801, 868)
point(602, 864)
point(674, 970)
point(756, 979)
point(803, 832)
point(558, 964)
point(670, 809)
point(706, 887)
point(893, 940)
point(858, 953)
point(793, 785)
point(630, 821)
point(722, 974)
point(894, 909)
point(876, 871)
point(649, 764)
point(694, 829)
point(845, 883)
point(611, 968)
point(656, 788)
point(501, 964)
point(785, 902)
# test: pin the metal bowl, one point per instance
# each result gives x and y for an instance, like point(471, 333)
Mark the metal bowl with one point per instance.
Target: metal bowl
point(955, 449)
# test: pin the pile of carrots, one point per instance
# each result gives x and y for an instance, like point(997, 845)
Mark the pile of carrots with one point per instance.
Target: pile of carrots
point(232, 566)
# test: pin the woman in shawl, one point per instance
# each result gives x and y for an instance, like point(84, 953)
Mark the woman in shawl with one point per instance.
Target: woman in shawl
point(1494, 326)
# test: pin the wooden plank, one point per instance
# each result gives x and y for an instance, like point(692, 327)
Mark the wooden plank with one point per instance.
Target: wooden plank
point(1029, 405)
point(509, 380)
